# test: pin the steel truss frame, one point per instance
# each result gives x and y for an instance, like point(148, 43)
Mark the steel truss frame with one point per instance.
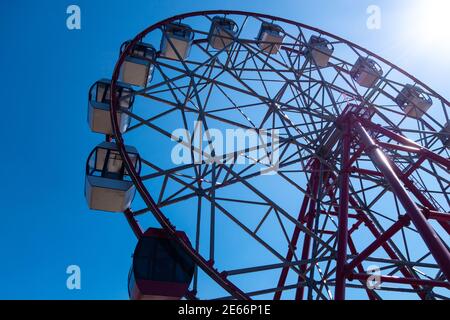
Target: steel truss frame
point(326, 142)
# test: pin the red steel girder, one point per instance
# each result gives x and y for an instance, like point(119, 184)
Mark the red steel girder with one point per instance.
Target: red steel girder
point(342, 233)
point(307, 240)
point(404, 176)
point(296, 234)
point(397, 226)
point(398, 280)
point(429, 235)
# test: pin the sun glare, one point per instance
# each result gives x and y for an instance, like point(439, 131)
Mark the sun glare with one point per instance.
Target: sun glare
point(431, 23)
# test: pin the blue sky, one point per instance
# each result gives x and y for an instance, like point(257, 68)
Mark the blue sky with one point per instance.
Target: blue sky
point(47, 70)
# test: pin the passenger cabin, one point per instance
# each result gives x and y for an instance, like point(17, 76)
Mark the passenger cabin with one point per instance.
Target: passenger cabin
point(176, 41)
point(445, 135)
point(108, 186)
point(137, 68)
point(366, 72)
point(270, 37)
point(222, 33)
point(413, 101)
point(161, 269)
point(99, 117)
point(320, 51)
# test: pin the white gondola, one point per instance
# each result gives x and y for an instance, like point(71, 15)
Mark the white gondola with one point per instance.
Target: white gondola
point(320, 51)
point(222, 33)
point(137, 68)
point(176, 41)
point(413, 101)
point(107, 185)
point(366, 72)
point(270, 37)
point(445, 135)
point(99, 117)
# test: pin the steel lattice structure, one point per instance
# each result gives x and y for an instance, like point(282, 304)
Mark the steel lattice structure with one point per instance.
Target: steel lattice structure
point(358, 181)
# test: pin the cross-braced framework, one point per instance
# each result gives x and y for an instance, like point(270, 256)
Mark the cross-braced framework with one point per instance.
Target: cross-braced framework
point(358, 182)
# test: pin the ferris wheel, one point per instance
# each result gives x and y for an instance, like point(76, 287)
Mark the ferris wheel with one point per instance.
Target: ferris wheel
point(271, 160)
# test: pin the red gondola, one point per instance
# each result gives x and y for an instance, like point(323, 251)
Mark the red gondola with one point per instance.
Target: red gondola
point(161, 270)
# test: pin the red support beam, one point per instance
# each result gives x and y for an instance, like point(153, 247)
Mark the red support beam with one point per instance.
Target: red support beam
point(291, 249)
point(424, 155)
point(410, 281)
point(391, 253)
point(335, 214)
point(329, 232)
point(438, 216)
point(366, 172)
point(355, 226)
point(389, 233)
point(398, 147)
point(430, 237)
point(356, 155)
point(351, 246)
point(419, 195)
point(296, 234)
point(342, 237)
point(133, 224)
point(415, 166)
point(437, 158)
point(307, 240)
point(394, 136)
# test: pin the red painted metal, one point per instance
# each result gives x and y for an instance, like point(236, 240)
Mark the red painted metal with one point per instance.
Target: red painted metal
point(388, 133)
point(425, 154)
point(133, 224)
point(366, 172)
point(415, 166)
point(391, 253)
point(150, 289)
point(307, 240)
point(363, 218)
point(293, 244)
point(161, 218)
point(336, 214)
point(431, 239)
point(393, 175)
point(411, 281)
point(156, 290)
point(377, 243)
point(342, 239)
point(356, 155)
point(370, 294)
point(398, 147)
point(419, 195)
point(439, 216)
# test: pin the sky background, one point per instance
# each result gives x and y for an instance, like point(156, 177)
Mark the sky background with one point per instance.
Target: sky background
point(47, 71)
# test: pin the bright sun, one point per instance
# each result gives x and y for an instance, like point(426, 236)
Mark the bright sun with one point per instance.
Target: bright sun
point(431, 23)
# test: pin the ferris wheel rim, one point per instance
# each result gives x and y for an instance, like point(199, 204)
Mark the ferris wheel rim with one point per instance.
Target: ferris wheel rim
point(142, 189)
point(154, 26)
